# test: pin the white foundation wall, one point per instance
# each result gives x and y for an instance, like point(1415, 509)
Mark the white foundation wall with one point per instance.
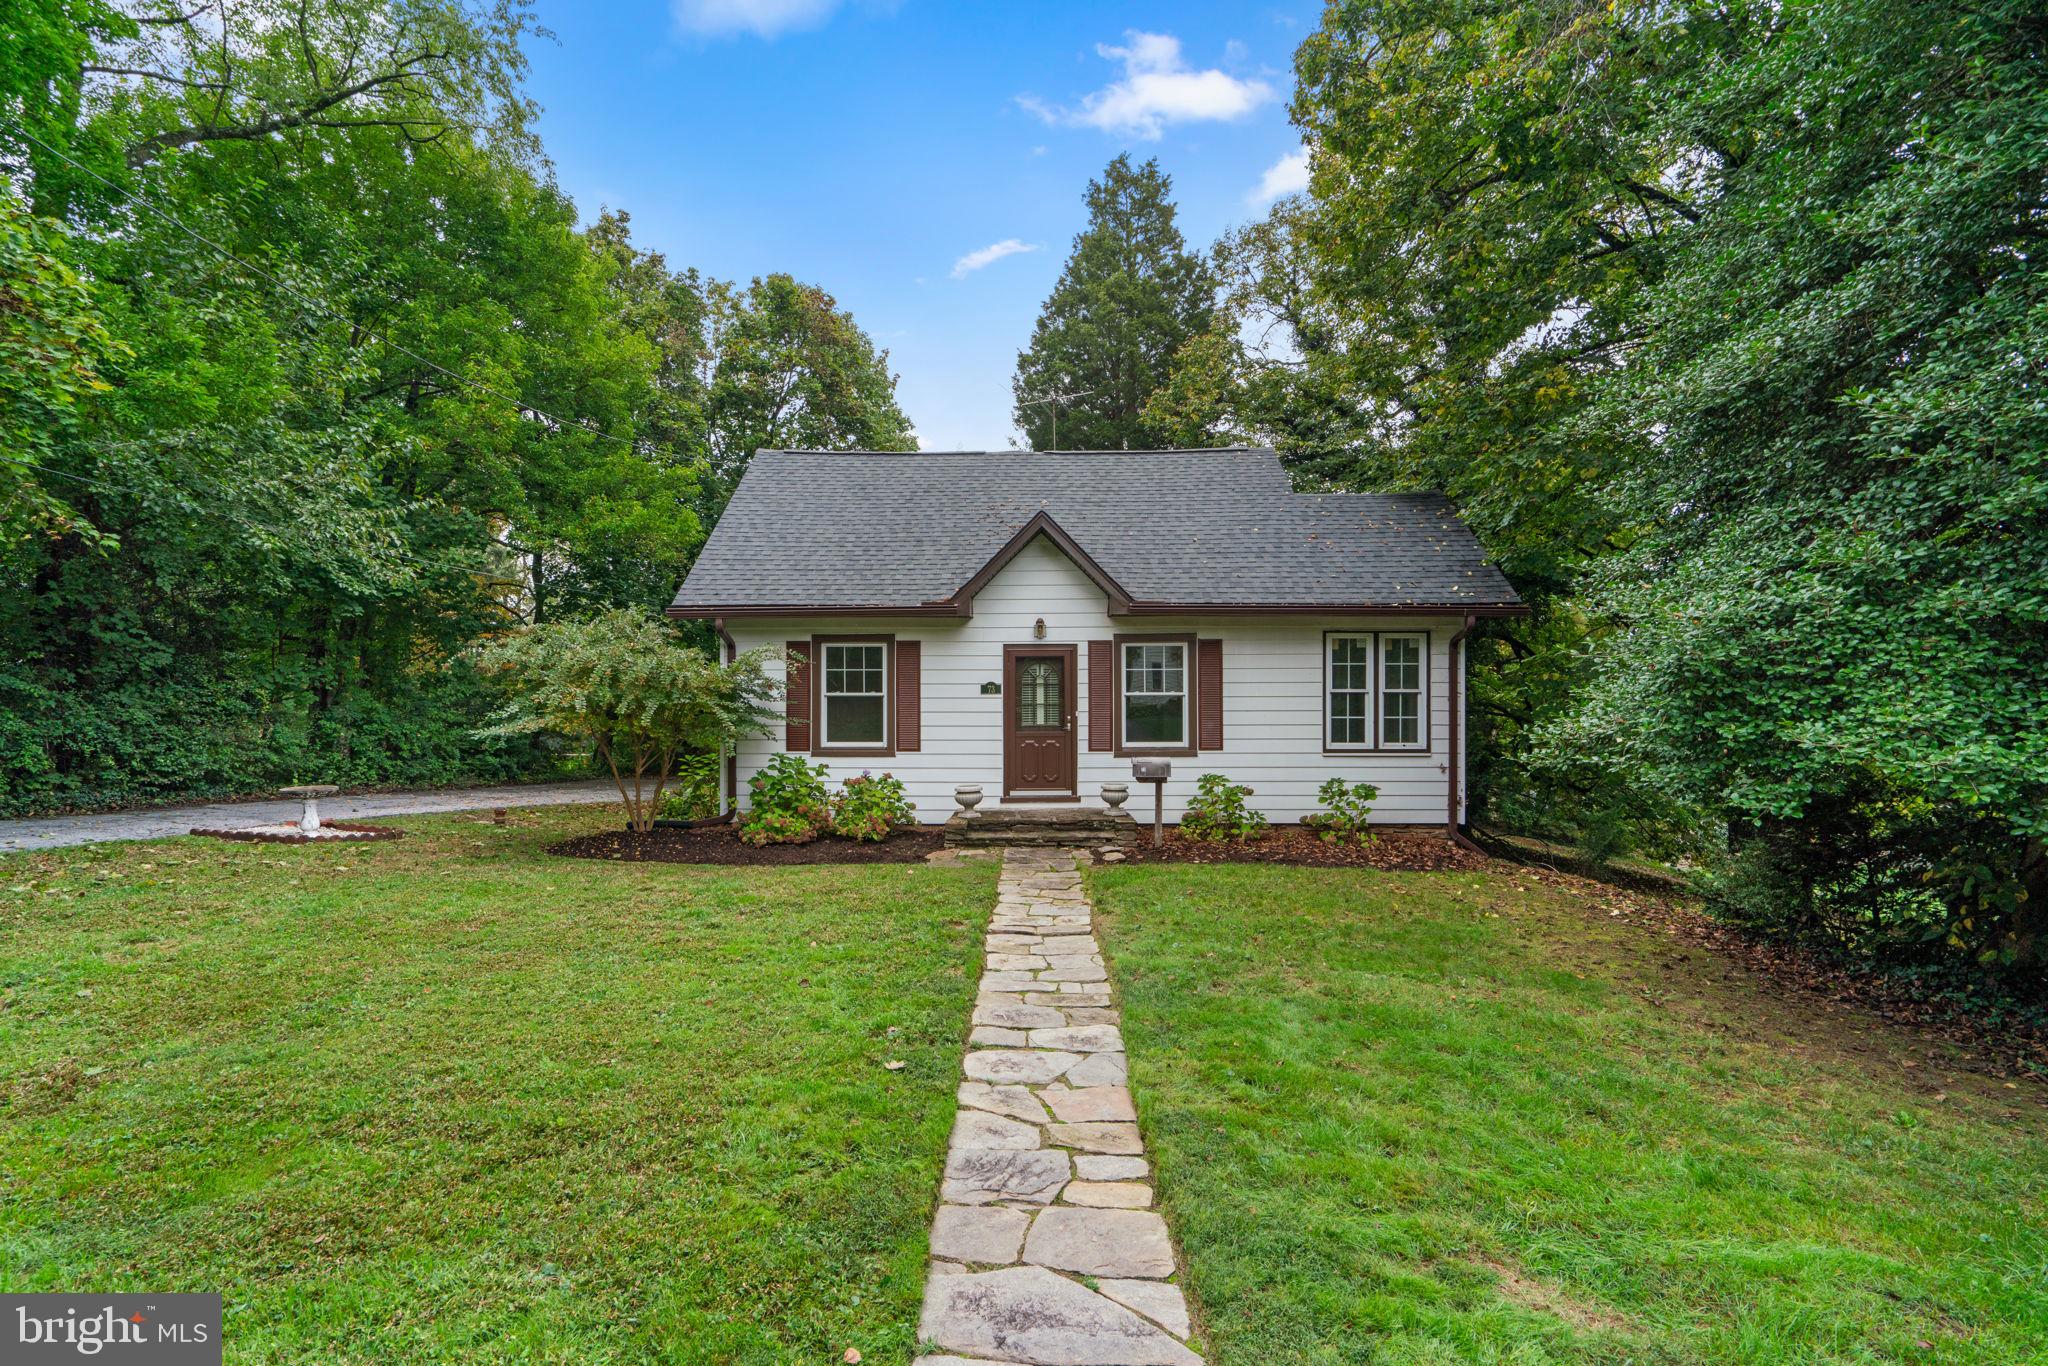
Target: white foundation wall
point(1272, 700)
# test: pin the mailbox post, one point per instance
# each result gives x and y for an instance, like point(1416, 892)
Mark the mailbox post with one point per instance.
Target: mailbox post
point(1155, 772)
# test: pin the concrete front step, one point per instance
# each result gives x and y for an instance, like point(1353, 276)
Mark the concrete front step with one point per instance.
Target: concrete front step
point(1043, 826)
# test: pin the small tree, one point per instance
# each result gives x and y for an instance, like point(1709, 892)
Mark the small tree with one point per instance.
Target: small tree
point(630, 687)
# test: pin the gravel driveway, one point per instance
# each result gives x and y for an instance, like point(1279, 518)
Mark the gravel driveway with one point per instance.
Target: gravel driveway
point(164, 822)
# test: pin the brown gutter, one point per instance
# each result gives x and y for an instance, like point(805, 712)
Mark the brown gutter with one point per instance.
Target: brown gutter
point(1451, 829)
point(799, 609)
point(1135, 609)
point(1326, 609)
point(732, 760)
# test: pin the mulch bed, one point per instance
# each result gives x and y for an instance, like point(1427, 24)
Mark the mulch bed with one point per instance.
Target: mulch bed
point(1295, 846)
point(722, 844)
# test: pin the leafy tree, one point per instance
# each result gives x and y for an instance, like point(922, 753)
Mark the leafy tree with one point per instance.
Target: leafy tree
point(1131, 296)
point(394, 401)
point(1835, 614)
point(629, 687)
point(1723, 321)
point(52, 344)
point(794, 369)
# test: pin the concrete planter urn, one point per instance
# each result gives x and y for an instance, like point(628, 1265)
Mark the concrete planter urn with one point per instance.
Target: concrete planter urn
point(1114, 795)
point(968, 795)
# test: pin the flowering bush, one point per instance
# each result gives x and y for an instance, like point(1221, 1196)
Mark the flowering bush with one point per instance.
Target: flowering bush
point(1349, 805)
point(1219, 811)
point(772, 827)
point(869, 808)
point(789, 804)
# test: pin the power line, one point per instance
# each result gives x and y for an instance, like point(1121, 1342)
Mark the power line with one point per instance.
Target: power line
point(140, 202)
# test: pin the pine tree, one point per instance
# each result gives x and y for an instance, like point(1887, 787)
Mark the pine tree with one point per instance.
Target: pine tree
point(1130, 295)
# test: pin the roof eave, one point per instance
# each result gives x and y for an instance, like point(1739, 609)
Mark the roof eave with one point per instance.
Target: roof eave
point(1329, 609)
point(1129, 609)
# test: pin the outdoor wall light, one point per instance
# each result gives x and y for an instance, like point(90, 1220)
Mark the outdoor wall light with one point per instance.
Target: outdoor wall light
point(1038, 629)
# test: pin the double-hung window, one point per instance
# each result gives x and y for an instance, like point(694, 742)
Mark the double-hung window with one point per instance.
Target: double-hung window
point(854, 695)
point(1348, 662)
point(1373, 690)
point(1401, 692)
point(1155, 694)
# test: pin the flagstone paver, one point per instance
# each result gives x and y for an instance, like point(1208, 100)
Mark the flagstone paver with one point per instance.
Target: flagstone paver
point(1045, 1182)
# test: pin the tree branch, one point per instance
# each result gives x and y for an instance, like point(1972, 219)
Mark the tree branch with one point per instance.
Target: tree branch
point(142, 152)
point(148, 75)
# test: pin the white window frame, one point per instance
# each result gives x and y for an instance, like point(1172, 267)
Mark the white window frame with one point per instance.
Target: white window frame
point(1330, 689)
point(825, 696)
point(1124, 694)
point(1420, 692)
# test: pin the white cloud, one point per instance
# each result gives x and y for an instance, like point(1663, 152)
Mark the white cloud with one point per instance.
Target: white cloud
point(762, 18)
point(1157, 88)
point(1288, 175)
point(989, 255)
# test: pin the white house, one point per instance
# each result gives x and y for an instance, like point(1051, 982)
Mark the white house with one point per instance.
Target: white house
point(1034, 621)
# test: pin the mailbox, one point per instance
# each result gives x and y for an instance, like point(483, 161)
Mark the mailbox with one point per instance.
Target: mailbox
point(1155, 772)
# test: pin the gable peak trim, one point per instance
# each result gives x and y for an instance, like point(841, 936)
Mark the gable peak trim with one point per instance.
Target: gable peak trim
point(1040, 524)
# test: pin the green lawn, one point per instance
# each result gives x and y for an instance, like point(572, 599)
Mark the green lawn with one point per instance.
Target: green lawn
point(1443, 1118)
point(451, 1098)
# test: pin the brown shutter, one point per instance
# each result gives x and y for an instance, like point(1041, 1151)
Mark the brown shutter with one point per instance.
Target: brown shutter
point(909, 696)
point(1209, 694)
point(1101, 700)
point(796, 701)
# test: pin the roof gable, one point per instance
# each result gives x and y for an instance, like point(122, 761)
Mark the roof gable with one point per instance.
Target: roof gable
point(1041, 524)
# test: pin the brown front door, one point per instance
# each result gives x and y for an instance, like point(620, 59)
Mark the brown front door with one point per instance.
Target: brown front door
point(1038, 720)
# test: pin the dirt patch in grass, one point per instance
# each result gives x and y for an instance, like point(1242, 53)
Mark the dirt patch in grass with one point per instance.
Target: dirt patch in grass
point(722, 844)
point(1518, 1288)
point(1292, 845)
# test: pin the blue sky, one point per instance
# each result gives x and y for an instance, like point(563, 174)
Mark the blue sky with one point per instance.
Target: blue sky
point(876, 148)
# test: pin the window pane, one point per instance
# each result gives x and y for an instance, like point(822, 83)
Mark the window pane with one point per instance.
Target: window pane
point(1398, 724)
point(853, 720)
point(1153, 668)
point(1403, 655)
point(1038, 692)
point(1348, 718)
point(1350, 662)
point(1152, 720)
point(853, 668)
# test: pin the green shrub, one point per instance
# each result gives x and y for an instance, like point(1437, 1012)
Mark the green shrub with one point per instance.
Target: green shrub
point(789, 804)
point(773, 827)
point(692, 793)
point(1349, 807)
point(1219, 811)
point(869, 808)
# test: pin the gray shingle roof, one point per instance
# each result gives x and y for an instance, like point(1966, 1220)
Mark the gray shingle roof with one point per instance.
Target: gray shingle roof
point(851, 529)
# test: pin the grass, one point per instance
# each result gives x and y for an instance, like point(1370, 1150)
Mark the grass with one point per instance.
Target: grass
point(1432, 1118)
point(450, 1098)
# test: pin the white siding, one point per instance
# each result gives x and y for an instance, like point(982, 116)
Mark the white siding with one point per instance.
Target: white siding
point(1272, 699)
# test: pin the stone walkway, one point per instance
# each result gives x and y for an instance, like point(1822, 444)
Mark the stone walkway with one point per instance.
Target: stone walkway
point(1047, 1180)
point(166, 822)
